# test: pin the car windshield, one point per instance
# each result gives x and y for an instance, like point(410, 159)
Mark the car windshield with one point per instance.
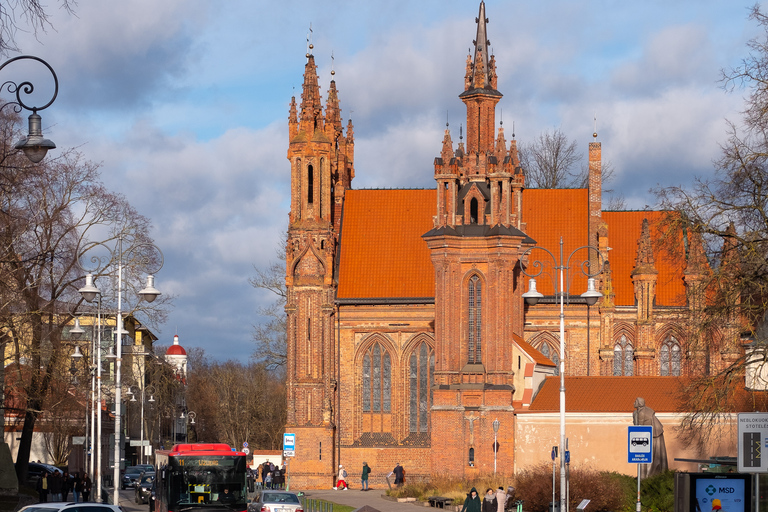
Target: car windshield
point(279, 497)
point(147, 479)
point(133, 471)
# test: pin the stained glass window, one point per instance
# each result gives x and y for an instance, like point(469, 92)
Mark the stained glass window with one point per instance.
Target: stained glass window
point(420, 369)
point(549, 351)
point(669, 356)
point(377, 380)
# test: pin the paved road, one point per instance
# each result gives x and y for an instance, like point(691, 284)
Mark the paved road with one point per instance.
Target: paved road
point(353, 498)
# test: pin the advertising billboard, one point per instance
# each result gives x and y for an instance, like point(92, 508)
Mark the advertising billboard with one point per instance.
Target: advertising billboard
point(727, 492)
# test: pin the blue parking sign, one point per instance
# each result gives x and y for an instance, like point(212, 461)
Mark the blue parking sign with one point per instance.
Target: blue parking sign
point(640, 444)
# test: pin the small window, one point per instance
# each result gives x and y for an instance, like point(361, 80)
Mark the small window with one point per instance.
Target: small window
point(471, 456)
point(310, 184)
point(473, 211)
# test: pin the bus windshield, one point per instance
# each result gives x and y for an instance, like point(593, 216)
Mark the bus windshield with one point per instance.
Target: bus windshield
point(207, 479)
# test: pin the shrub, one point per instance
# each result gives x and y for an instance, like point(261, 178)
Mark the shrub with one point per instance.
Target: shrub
point(657, 493)
point(606, 491)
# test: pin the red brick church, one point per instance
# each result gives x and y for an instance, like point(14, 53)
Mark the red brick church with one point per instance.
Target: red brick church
point(407, 331)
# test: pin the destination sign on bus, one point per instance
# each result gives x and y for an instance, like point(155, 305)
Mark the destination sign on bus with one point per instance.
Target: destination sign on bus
point(208, 461)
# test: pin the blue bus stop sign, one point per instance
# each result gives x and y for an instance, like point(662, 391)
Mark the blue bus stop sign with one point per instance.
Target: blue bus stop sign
point(640, 444)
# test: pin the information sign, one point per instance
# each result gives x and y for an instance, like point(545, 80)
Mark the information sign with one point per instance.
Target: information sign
point(753, 439)
point(289, 445)
point(640, 444)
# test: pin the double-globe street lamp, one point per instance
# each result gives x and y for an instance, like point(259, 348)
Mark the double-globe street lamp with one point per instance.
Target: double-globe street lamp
point(34, 145)
point(133, 256)
point(562, 292)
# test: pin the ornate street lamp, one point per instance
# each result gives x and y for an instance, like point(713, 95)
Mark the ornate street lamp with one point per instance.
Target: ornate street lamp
point(34, 145)
point(116, 256)
point(532, 297)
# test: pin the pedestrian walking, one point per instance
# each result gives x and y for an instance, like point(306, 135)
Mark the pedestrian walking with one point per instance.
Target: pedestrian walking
point(342, 480)
point(55, 483)
point(489, 501)
point(66, 486)
point(399, 472)
point(364, 477)
point(78, 485)
point(472, 502)
point(87, 488)
point(501, 500)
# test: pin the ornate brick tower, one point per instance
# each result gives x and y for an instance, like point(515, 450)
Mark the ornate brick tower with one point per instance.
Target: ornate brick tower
point(321, 159)
point(475, 247)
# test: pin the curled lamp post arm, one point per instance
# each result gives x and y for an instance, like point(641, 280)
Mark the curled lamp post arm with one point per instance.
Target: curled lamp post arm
point(34, 145)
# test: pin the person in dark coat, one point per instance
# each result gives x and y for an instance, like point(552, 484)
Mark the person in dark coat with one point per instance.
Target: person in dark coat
point(364, 477)
point(66, 486)
point(55, 483)
point(399, 475)
point(489, 501)
point(472, 503)
point(86, 488)
point(78, 484)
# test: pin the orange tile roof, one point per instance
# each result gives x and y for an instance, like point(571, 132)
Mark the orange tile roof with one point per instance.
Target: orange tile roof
point(537, 356)
point(609, 394)
point(383, 256)
point(382, 253)
point(623, 232)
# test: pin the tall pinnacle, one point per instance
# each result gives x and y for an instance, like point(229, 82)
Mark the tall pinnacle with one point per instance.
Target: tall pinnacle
point(480, 77)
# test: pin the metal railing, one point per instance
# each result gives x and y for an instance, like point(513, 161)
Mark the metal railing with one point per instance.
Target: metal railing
point(315, 505)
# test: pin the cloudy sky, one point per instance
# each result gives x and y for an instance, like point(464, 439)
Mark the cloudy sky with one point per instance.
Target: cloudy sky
point(185, 105)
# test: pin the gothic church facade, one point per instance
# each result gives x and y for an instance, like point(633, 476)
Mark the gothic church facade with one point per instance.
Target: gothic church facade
point(408, 335)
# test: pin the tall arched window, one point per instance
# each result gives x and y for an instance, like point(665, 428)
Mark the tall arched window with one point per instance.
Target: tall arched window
point(623, 357)
point(669, 357)
point(421, 367)
point(473, 211)
point(310, 184)
point(551, 352)
point(377, 380)
point(475, 317)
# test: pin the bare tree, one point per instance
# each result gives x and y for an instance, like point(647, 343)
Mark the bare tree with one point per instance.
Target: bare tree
point(49, 212)
point(725, 219)
point(238, 402)
point(551, 161)
point(16, 15)
point(270, 336)
point(554, 161)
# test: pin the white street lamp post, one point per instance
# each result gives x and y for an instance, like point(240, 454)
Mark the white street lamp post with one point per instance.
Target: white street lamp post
point(495, 444)
point(149, 293)
point(532, 297)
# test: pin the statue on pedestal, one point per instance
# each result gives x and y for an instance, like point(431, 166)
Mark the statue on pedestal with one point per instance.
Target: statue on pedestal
point(644, 415)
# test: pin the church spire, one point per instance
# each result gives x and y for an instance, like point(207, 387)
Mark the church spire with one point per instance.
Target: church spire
point(480, 76)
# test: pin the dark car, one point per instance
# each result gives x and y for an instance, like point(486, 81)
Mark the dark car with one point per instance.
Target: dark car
point(151, 499)
point(131, 476)
point(143, 488)
point(36, 469)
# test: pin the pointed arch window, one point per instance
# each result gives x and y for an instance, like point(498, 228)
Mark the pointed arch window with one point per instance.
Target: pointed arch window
point(421, 368)
point(623, 357)
point(310, 184)
point(377, 380)
point(475, 319)
point(669, 357)
point(473, 211)
point(551, 352)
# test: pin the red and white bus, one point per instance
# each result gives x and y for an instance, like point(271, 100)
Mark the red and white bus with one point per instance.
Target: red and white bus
point(200, 476)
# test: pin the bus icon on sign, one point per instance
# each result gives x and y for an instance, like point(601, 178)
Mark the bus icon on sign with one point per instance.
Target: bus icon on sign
point(642, 441)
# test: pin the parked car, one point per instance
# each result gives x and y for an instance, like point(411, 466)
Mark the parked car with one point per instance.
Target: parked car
point(131, 476)
point(272, 501)
point(143, 488)
point(35, 470)
point(71, 507)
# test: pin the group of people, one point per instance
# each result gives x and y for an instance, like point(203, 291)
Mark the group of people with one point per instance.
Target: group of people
point(341, 483)
point(493, 501)
point(57, 486)
point(271, 475)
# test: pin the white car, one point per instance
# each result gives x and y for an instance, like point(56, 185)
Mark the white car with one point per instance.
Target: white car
point(71, 507)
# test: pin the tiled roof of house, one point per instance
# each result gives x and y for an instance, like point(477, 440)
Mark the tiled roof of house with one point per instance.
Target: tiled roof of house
point(537, 356)
point(609, 394)
point(383, 254)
